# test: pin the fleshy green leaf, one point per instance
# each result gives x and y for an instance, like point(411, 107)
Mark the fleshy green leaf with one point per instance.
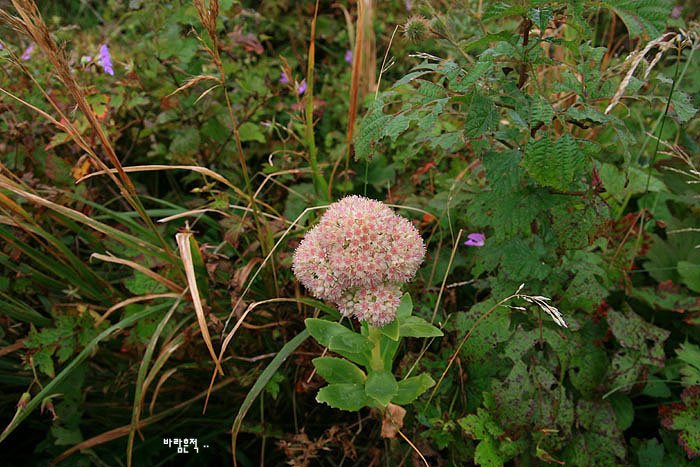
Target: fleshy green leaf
point(338, 370)
point(323, 330)
point(414, 326)
point(381, 386)
point(343, 396)
point(405, 308)
point(411, 388)
point(391, 330)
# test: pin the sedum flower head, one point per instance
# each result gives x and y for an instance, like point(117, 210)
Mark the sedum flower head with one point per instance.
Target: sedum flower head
point(358, 256)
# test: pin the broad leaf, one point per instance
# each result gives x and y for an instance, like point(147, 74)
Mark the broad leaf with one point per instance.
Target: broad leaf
point(381, 386)
point(338, 370)
point(343, 396)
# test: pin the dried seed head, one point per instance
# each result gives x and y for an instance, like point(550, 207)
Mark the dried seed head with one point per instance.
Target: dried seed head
point(416, 29)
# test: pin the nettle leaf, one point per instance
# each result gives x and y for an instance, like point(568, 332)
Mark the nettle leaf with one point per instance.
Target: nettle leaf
point(541, 16)
point(509, 213)
point(634, 333)
point(684, 417)
point(553, 163)
point(477, 70)
point(481, 118)
point(521, 262)
point(411, 388)
point(343, 396)
point(338, 370)
point(502, 170)
point(414, 326)
point(501, 10)
point(381, 386)
point(540, 110)
point(642, 17)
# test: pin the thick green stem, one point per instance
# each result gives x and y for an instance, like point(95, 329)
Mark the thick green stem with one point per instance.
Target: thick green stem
point(376, 362)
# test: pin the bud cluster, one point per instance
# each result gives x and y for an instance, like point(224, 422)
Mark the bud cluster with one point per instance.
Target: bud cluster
point(358, 256)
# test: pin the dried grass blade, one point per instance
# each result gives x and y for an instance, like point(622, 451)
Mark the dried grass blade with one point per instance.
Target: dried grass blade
point(129, 301)
point(124, 430)
point(183, 243)
point(153, 275)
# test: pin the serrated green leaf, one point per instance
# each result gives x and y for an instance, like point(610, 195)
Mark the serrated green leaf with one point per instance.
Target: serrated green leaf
point(411, 388)
point(414, 326)
point(343, 396)
point(338, 370)
point(553, 163)
point(381, 386)
point(642, 17)
point(502, 170)
point(482, 117)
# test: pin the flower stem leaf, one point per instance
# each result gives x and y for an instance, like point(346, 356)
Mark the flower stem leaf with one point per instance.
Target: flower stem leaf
point(381, 386)
point(405, 308)
point(418, 327)
point(411, 388)
point(349, 397)
point(338, 370)
point(391, 330)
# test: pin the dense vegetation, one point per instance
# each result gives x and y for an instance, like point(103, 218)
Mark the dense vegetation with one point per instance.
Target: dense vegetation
point(162, 160)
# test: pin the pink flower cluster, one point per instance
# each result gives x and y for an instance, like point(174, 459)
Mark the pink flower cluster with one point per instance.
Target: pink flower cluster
point(358, 256)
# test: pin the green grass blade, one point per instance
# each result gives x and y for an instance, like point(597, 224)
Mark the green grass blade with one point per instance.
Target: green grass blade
point(257, 388)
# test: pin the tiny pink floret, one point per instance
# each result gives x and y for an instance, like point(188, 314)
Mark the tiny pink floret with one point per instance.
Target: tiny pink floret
point(358, 256)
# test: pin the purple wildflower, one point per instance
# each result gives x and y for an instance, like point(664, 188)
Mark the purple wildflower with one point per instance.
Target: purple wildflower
point(475, 239)
point(85, 59)
point(348, 56)
point(302, 88)
point(106, 60)
point(28, 52)
point(676, 12)
point(284, 79)
point(409, 4)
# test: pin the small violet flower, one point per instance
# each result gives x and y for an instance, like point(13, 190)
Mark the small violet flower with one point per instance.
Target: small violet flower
point(85, 59)
point(28, 52)
point(284, 79)
point(302, 88)
point(348, 56)
point(106, 60)
point(475, 239)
